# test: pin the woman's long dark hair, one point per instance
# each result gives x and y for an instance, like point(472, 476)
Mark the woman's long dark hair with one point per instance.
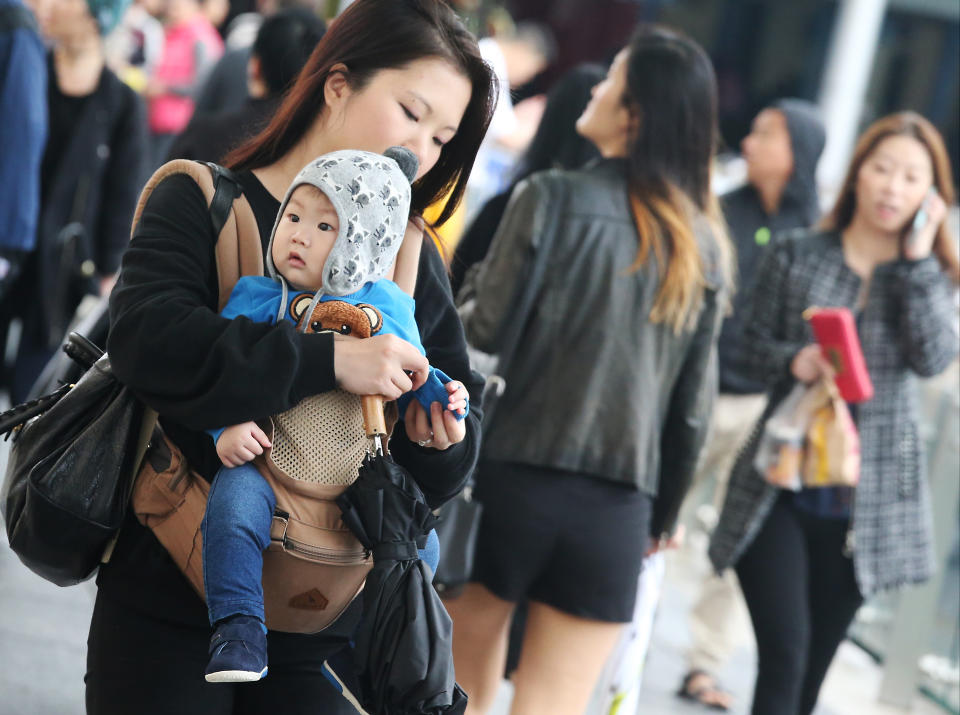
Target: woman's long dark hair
point(672, 90)
point(557, 143)
point(909, 124)
point(374, 35)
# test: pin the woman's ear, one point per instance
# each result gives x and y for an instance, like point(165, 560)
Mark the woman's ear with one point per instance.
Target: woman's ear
point(336, 88)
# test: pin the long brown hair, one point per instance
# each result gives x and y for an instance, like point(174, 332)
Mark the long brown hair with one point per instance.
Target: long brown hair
point(672, 90)
point(913, 125)
point(373, 35)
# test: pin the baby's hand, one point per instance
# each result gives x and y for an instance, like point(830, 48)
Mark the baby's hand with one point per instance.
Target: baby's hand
point(241, 443)
point(458, 397)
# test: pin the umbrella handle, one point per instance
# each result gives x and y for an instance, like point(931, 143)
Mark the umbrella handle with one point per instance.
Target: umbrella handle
point(374, 422)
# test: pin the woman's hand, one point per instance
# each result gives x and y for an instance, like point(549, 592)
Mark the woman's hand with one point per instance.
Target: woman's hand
point(918, 246)
point(239, 444)
point(107, 283)
point(666, 543)
point(441, 428)
point(381, 365)
point(809, 364)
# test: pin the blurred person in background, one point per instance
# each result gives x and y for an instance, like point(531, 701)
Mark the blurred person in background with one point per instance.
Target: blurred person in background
point(134, 47)
point(215, 11)
point(620, 350)
point(191, 47)
point(226, 86)
point(806, 560)
point(556, 145)
point(23, 106)
point(517, 56)
point(92, 170)
point(284, 42)
point(781, 153)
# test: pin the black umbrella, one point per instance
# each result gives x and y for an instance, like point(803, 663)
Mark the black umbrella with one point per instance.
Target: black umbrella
point(402, 653)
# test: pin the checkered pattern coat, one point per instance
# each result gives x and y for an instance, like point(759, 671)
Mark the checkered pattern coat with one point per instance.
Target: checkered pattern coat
point(908, 327)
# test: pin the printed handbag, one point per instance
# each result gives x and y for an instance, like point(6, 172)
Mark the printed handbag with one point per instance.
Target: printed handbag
point(69, 474)
point(780, 452)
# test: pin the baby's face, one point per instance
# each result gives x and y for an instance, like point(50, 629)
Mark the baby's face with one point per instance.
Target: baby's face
point(304, 237)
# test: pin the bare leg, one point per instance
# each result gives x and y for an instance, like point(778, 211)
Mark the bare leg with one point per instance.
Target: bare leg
point(562, 658)
point(481, 624)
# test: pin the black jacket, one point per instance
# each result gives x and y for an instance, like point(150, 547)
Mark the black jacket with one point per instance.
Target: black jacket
point(209, 137)
point(475, 242)
point(199, 370)
point(94, 182)
point(752, 230)
point(595, 387)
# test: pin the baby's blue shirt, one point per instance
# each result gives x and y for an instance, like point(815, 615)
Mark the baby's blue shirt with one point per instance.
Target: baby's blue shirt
point(258, 298)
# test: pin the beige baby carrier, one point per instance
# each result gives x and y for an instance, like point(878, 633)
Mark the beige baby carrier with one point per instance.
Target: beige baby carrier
point(314, 566)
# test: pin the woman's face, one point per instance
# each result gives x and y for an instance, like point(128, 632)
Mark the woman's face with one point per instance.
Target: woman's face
point(63, 20)
point(606, 121)
point(892, 183)
point(418, 106)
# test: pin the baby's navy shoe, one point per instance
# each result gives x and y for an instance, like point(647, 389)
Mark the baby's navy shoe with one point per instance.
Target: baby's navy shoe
point(238, 651)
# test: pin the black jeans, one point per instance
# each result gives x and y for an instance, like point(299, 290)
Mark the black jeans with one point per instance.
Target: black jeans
point(140, 664)
point(802, 596)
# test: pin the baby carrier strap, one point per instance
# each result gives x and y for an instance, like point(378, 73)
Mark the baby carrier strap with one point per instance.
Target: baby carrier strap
point(239, 251)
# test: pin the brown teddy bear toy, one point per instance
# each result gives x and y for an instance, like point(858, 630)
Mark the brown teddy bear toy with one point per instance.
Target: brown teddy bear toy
point(337, 316)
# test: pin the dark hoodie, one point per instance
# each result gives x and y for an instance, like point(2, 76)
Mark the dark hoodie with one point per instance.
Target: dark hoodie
point(751, 229)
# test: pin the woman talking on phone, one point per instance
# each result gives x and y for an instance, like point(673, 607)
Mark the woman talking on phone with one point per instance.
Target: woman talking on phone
point(807, 559)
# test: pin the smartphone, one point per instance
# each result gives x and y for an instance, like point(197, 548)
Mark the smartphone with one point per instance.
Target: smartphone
point(921, 217)
point(836, 332)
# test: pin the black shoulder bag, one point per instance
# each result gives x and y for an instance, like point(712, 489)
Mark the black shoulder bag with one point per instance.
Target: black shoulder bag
point(70, 469)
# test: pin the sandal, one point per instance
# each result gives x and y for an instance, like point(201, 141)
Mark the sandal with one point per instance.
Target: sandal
point(709, 694)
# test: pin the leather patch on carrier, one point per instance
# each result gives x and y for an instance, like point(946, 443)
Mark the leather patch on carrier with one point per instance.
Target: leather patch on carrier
point(312, 600)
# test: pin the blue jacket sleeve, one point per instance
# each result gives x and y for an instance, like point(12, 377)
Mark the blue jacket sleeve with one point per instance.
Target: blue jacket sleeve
point(23, 101)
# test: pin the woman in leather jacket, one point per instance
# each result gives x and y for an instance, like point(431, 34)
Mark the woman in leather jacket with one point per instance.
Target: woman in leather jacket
point(609, 393)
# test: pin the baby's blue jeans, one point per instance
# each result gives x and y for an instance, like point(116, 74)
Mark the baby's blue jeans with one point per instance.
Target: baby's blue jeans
point(236, 530)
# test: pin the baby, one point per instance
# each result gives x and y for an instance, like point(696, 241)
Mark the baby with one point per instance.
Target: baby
point(336, 236)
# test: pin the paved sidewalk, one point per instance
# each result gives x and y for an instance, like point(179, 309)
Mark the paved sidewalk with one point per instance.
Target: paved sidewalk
point(43, 631)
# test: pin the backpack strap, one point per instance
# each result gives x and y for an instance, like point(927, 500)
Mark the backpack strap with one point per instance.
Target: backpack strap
point(408, 262)
point(239, 251)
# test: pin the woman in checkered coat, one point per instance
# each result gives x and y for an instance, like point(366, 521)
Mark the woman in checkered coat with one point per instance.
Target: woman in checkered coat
point(806, 560)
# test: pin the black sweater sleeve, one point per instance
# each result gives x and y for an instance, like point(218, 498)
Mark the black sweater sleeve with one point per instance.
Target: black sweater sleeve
point(124, 175)
point(441, 474)
point(169, 345)
point(688, 418)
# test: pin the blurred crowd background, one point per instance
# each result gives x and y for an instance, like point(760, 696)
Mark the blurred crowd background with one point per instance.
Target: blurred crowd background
point(194, 78)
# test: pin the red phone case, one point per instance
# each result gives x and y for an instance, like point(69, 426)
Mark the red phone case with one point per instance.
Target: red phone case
point(836, 332)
